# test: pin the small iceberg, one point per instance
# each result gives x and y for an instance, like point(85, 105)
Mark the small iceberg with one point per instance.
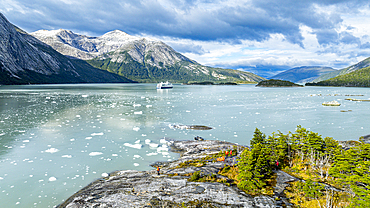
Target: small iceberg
point(52, 150)
point(95, 153)
point(136, 146)
point(52, 178)
point(331, 103)
point(153, 145)
point(162, 149)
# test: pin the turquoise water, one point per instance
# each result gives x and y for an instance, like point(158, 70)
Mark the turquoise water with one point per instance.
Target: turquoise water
point(56, 139)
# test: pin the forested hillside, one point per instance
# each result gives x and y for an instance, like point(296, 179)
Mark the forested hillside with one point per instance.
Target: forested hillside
point(359, 78)
point(330, 175)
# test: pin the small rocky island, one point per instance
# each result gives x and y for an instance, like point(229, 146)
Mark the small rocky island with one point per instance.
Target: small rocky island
point(178, 183)
point(277, 83)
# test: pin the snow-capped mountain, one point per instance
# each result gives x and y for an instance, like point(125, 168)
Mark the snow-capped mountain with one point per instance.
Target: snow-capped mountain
point(84, 47)
point(24, 59)
point(137, 58)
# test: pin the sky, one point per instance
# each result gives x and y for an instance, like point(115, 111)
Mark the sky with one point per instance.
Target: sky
point(260, 36)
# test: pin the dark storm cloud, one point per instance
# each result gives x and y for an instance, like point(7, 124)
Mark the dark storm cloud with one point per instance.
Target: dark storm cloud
point(229, 21)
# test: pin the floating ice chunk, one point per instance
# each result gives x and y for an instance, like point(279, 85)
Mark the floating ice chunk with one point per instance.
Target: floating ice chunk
point(149, 106)
point(147, 141)
point(136, 164)
point(137, 156)
point(1, 178)
point(2, 134)
point(88, 138)
point(144, 135)
point(137, 105)
point(97, 134)
point(72, 140)
point(78, 116)
point(104, 174)
point(136, 128)
point(67, 156)
point(52, 150)
point(114, 155)
point(52, 178)
point(26, 141)
point(162, 149)
point(152, 153)
point(138, 112)
point(187, 111)
point(153, 145)
point(84, 96)
point(95, 153)
point(137, 141)
point(163, 141)
point(165, 153)
point(136, 146)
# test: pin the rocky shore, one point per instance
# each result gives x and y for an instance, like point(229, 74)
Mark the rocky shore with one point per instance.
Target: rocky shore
point(130, 188)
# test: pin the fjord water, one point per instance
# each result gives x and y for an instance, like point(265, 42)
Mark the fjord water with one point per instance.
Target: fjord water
point(56, 139)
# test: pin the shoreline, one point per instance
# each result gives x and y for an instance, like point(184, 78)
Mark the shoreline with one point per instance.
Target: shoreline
point(172, 188)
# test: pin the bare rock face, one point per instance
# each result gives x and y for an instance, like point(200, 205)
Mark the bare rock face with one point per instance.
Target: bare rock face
point(26, 60)
point(171, 188)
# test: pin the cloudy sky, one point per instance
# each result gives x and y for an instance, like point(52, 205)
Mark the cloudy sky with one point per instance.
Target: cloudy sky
point(262, 36)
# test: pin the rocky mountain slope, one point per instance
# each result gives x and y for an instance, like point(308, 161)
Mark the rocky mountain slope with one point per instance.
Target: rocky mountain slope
point(362, 64)
point(26, 60)
point(303, 74)
point(140, 59)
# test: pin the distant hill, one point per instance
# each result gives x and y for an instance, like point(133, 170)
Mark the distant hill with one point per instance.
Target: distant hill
point(277, 83)
point(358, 78)
point(137, 58)
point(303, 74)
point(362, 64)
point(26, 60)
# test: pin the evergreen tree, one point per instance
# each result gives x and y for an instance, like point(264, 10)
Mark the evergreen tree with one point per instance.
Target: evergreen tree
point(258, 137)
point(254, 168)
point(352, 168)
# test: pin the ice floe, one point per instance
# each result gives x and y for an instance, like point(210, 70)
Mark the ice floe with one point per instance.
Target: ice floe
point(95, 153)
point(162, 149)
point(104, 175)
point(153, 145)
point(136, 128)
point(138, 112)
point(97, 134)
point(136, 146)
point(52, 150)
point(52, 178)
point(67, 156)
point(147, 141)
point(88, 138)
point(136, 164)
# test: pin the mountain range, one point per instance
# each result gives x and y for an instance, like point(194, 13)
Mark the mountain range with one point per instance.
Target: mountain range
point(137, 58)
point(26, 60)
point(303, 74)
